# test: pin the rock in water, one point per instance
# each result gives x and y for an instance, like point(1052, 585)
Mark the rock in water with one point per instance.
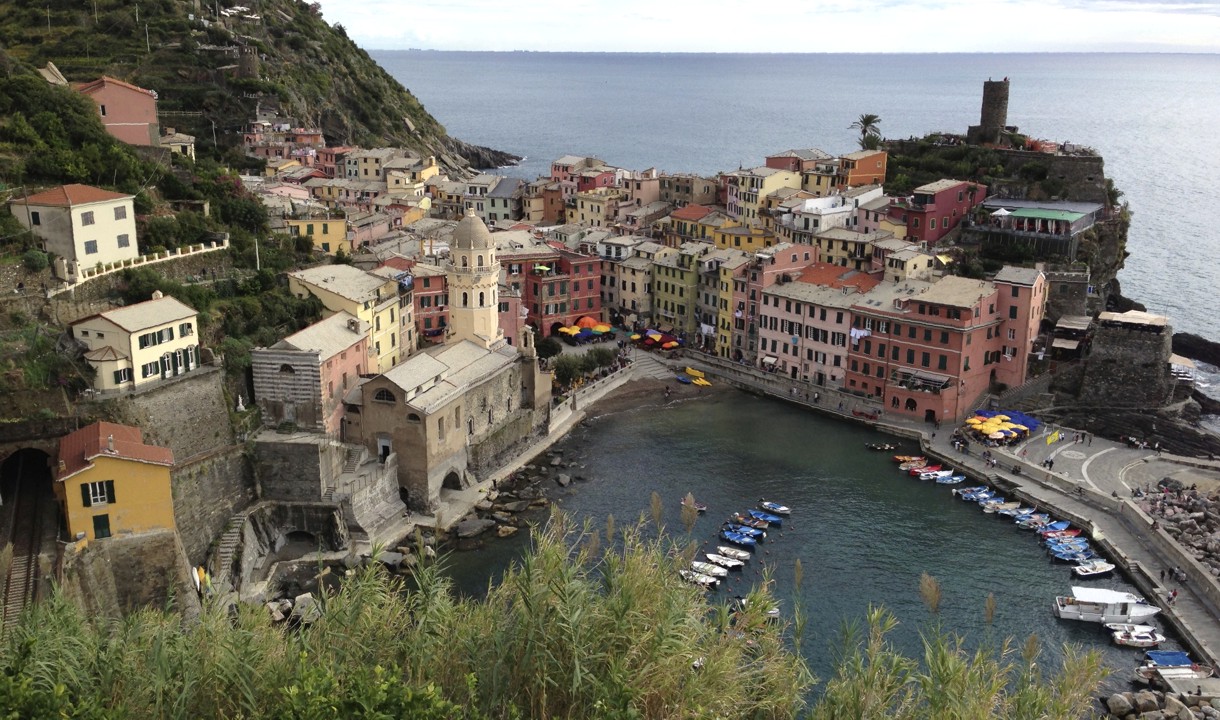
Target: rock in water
point(564, 480)
point(506, 531)
point(1119, 705)
point(1146, 701)
point(473, 528)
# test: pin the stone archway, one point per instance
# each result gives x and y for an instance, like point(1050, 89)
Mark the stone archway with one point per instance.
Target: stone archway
point(452, 481)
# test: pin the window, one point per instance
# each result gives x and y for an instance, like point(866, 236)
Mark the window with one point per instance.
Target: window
point(120, 213)
point(910, 356)
point(91, 247)
point(1016, 291)
point(384, 395)
point(101, 526)
point(1012, 334)
point(925, 359)
point(86, 218)
point(1012, 313)
point(100, 492)
point(942, 363)
point(124, 240)
point(944, 337)
point(150, 369)
point(122, 376)
point(35, 218)
point(927, 335)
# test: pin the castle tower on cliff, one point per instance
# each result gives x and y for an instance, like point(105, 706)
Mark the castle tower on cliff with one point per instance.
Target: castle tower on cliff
point(993, 118)
point(474, 279)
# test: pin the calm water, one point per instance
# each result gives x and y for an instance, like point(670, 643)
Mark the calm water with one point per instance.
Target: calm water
point(863, 531)
point(705, 113)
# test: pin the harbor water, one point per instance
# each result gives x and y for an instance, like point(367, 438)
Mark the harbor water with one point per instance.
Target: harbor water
point(863, 531)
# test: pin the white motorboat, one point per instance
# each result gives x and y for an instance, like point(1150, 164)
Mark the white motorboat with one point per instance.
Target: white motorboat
point(1149, 638)
point(709, 569)
point(1093, 568)
point(1128, 627)
point(726, 562)
point(773, 507)
point(697, 578)
point(992, 508)
point(735, 553)
point(1100, 605)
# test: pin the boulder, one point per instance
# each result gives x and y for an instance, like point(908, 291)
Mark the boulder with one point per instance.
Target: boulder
point(516, 506)
point(273, 608)
point(1174, 708)
point(304, 609)
point(430, 552)
point(473, 528)
point(1146, 701)
point(563, 480)
point(502, 518)
point(392, 560)
point(506, 531)
point(540, 503)
point(483, 505)
point(1119, 704)
point(557, 462)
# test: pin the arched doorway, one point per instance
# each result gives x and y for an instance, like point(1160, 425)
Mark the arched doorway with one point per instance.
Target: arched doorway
point(555, 328)
point(911, 405)
point(452, 481)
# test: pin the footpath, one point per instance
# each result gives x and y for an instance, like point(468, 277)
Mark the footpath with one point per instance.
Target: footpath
point(1089, 483)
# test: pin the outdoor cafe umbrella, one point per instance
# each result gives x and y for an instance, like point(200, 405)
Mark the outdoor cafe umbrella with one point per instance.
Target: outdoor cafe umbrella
point(670, 344)
point(997, 435)
point(636, 336)
point(588, 322)
point(602, 328)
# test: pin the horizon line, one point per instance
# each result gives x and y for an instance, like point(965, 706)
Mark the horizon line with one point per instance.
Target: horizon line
point(801, 52)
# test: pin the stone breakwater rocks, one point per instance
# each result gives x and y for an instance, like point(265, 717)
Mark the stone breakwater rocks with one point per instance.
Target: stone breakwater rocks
point(1156, 705)
point(1190, 518)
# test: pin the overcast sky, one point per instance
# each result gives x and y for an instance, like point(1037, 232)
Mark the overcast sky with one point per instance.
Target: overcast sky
point(802, 26)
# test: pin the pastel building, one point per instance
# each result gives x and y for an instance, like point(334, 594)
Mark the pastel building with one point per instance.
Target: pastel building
point(329, 235)
point(128, 112)
point(134, 346)
point(82, 225)
point(933, 210)
point(302, 379)
point(372, 299)
point(780, 263)
point(747, 188)
point(109, 482)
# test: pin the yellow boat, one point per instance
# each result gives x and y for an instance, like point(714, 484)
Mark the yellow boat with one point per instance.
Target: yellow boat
point(694, 373)
point(701, 382)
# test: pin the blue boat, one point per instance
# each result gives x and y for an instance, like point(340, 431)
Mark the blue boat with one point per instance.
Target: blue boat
point(950, 480)
point(1019, 513)
point(1068, 549)
point(684, 379)
point(1075, 557)
point(1033, 520)
point(963, 491)
point(979, 497)
point(737, 538)
point(747, 531)
point(1066, 542)
point(1055, 526)
point(992, 500)
point(766, 517)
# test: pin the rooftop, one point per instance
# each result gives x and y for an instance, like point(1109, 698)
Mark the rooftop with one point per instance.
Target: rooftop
point(71, 195)
point(328, 337)
point(445, 371)
point(956, 291)
point(939, 186)
point(78, 449)
point(148, 314)
point(342, 280)
point(1018, 275)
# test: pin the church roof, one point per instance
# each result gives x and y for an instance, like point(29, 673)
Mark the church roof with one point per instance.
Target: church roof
point(472, 234)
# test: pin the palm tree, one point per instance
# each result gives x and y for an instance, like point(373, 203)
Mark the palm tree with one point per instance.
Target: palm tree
point(867, 125)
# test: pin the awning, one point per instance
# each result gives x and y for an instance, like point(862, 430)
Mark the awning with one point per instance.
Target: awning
point(769, 360)
point(1065, 344)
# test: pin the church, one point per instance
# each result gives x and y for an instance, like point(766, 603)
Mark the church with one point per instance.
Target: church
point(457, 410)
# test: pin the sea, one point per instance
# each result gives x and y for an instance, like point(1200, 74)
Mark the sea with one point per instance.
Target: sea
point(709, 112)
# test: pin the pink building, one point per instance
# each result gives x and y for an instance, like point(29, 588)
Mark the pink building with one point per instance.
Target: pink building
point(511, 318)
point(431, 298)
point(934, 209)
point(330, 158)
point(930, 351)
point(301, 379)
point(783, 262)
point(128, 112)
point(804, 325)
point(796, 160)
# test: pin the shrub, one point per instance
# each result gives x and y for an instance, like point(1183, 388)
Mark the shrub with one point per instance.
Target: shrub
point(548, 347)
point(35, 260)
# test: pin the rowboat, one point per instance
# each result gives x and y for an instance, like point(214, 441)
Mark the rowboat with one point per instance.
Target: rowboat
point(917, 463)
point(1033, 521)
point(766, 517)
point(691, 576)
point(997, 507)
point(1074, 556)
point(1071, 544)
point(749, 521)
point(1128, 627)
point(1161, 666)
point(1019, 512)
point(978, 496)
point(935, 474)
point(924, 469)
point(991, 500)
point(709, 569)
point(737, 538)
point(880, 446)
point(1093, 568)
point(950, 480)
point(963, 491)
point(733, 552)
point(1069, 533)
point(773, 507)
point(1139, 639)
point(701, 507)
point(747, 531)
point(725, 562)
point(1054, 527)
point(908, 458)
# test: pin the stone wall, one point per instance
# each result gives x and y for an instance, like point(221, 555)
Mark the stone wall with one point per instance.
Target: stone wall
point(294, 397)
point(1084, 176)
point(267, 526)
point(293, 470)
point(1069, 294)
point(493, 449)
point(120, 575)
point(207, 492)
point(1128, 366)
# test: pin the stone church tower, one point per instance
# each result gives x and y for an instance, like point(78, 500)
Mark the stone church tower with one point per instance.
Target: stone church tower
point(474, 277)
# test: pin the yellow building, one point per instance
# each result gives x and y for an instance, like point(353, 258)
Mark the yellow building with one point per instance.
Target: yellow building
point(279, 166)
point(675, 287)
point(748, 188)
point(83, 225)
point(138, 344)
point(847, 248)
point(369, 297)
point(108, 482)
point(729, 312)
point(823, 178)
point(747, 239)
point(329, 235)
point(595, 208)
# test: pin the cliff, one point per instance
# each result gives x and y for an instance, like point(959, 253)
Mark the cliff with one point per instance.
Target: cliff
point(214, 67)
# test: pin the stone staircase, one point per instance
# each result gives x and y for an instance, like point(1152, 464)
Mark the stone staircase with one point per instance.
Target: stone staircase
point(354, 457)
point(222, 561)
point(646, 365)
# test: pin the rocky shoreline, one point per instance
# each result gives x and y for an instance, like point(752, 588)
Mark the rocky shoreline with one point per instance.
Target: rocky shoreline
point(1157, 705)
point(1190, 517)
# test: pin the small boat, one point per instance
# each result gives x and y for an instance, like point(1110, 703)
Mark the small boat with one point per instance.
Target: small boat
point(706, 568)
point(1161, 666)
point(733, 552)
point(766, 517)
point(1074, 546)
point(1100, 605)
point(1128, 627)
point(706, 581)
point(773, 507)
point(1094, 568)
point(950, 480)
point(685, 380)
point(1075, 556)
point(748, 521)
point(725, 561)
point(1019, 512)
point(747, 531)
point(979, 496)
point(880, 446)
point(1149, 638)
point(1054, 527)
point(700, 507)
point(908, 458)
point(995, 508)
point(991, 500)
point(1061, 534)
point(917, 463)
point(924, 469)
point(701, 382)
point(1033, 521)
point(963, 491)
point(737, 538)
point(935, 474)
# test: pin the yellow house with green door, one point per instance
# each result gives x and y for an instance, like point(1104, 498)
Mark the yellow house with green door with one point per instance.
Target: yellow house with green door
point(109, 482)
point(329, 235)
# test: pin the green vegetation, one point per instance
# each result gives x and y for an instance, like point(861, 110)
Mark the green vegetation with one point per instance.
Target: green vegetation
point(592, 623)
point(870, 137)
point(548, 347)
point(569, 368)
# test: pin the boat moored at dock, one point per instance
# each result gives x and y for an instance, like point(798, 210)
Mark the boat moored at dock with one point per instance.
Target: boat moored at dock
point(1100, 605)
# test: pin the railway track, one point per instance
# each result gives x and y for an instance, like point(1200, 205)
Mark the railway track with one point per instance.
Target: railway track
point(22, 576)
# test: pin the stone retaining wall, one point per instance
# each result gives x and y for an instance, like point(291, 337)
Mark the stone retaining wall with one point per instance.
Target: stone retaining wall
point(207, 492)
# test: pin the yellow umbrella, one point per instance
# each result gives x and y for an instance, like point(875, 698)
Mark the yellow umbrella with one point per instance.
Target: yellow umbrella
point(602, 328)
point(1015, 426)
point(635, 336)
point(974, 421)
point(1001, 417)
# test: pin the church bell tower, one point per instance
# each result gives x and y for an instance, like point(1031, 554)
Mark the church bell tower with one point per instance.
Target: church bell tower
point(474, 281)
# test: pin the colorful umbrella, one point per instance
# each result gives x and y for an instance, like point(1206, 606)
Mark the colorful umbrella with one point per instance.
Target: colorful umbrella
point(588, 322)
point(997, 435)
point(636, 336)
point(603, 328)
point(670, 344)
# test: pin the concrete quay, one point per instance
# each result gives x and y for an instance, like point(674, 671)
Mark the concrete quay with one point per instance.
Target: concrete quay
point(1091, 485)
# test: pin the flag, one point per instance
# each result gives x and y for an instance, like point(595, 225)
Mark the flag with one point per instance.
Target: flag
point(1052, 438)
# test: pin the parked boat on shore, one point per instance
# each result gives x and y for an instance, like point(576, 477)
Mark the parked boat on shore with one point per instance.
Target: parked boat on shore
point(1161, 666)
point(1100, 605)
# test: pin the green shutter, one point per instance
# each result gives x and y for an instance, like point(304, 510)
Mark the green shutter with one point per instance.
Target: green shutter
point(118, 377)
point(84, 495)
point(110, 491)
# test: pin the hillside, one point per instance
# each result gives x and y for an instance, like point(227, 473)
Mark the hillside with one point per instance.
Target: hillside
point(214, 66)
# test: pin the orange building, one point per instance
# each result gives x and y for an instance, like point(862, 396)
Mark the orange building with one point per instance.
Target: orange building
point(128, 112)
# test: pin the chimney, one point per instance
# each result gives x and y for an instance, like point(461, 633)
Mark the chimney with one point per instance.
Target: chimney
point(169, 131)
point(157, 295)
point(110, 443)
point(63, 466)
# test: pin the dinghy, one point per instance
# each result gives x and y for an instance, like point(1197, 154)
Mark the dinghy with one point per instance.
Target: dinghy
point(692, 503)
point(950, 480)
point(1093, 568)
point(1149, 638)
point(733, 552)
point(749, 521)
point(766, 517)
point(747, 531)
point(1161, 666)
point(737, 538)
point(725, 562)
point(711, 569)
point(696, 578)
point(996, 508)
point(773, 507)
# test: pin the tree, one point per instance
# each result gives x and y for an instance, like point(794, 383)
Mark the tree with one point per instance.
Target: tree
point(568, 368)
point(548, 347)
point(867, 125)
point(35, 260)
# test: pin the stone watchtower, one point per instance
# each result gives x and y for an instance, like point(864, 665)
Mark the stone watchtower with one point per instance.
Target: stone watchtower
point(994, 116)
point(474, 279)
point(1128, 363)
point(247, 62)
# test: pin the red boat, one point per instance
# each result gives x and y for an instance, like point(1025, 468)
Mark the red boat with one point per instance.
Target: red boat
point(924, 469)
point(1070, 532)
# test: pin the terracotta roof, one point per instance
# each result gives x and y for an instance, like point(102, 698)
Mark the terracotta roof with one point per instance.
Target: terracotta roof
point(104, 354)
point(69, 195)
point(691, 212)
point(77, 450)
point(91, 87)
point(837, 276)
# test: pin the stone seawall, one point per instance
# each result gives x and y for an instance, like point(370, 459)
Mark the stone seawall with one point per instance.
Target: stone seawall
point(126, 573)
point(207, 492)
